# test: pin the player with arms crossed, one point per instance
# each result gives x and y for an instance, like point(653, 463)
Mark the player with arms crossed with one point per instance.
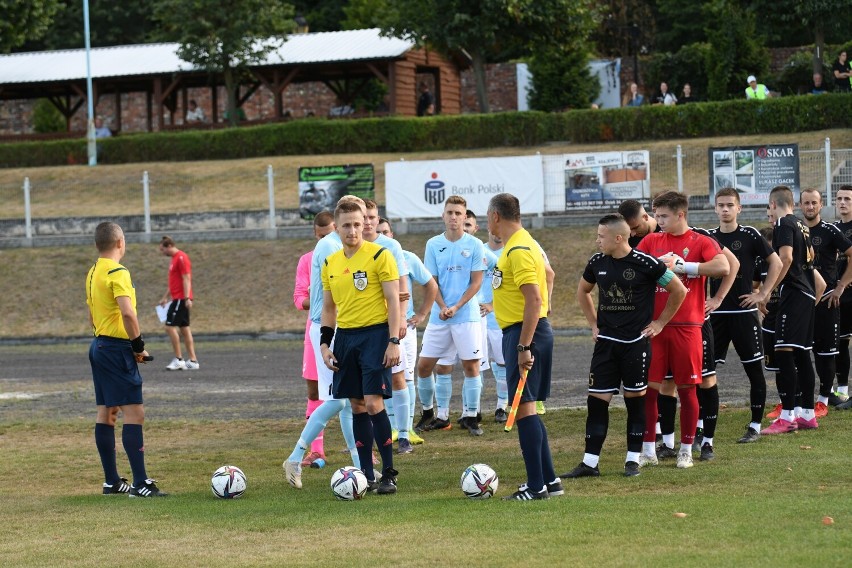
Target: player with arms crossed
point(114, 357)
point(622, 329)
point(361, 297)
point(678, 348)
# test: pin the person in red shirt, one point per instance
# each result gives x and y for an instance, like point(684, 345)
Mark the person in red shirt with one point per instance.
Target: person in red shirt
point(180, 294)
point(693, 257)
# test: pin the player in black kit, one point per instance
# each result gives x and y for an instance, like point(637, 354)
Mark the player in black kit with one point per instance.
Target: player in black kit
point(843, 200)
point(622, 329)
point(736, 319)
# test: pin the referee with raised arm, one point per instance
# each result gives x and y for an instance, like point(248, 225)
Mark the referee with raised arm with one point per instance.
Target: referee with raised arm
point(520, 306)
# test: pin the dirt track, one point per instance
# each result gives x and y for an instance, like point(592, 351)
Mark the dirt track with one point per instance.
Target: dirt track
point(251, 379)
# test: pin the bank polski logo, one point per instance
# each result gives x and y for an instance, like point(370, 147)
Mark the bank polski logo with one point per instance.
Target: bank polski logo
point(434, 190)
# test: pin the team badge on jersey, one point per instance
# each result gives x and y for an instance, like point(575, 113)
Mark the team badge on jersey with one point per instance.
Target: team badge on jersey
point(629, 274)
point(736, 245)
point(497, 279)
point(465, 253)
point(685, 251)
point(360, 280)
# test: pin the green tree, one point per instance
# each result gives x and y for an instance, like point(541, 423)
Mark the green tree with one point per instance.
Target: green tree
point(226, 36)
point(24, 20)
point(561, 80)
point(487, 29)
point(322, 15)
point(47, 118)
point(736, 49)
point(365, 14)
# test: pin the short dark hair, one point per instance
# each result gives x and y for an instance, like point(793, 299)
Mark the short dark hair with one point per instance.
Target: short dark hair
point(630, 209)
point(614, 220)
point(845, 187)
point(507, 206)
point(470, 214)
point(323, 219)
point(728, 192)
point(107, 235)
point(811, 190)
point(348, 206)
point(672, 200)
point(383, 220)
point(781, 195)
point(167, 242)
point(766, 233)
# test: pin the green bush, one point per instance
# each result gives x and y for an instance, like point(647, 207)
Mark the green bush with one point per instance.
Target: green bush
point(47, 118)
point(397, 134)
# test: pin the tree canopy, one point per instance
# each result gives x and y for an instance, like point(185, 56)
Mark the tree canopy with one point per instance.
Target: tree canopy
point(24, 20)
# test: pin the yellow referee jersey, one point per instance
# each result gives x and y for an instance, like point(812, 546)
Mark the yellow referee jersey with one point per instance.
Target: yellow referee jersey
point(521, 262)
point(106, 281)
point(356, 284)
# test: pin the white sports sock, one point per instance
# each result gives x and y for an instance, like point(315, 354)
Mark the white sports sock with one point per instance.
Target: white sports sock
point(797, 411)
point(808, 414)
point(788, 415)
point(649, 448)
point(700, 423)
point(756, 426)
point(591, 460)
point(685, 448)
point(632, 457)
point(657, 429)
point(669, 440)
point(823, 399)
point(707, 441)
point(843, 390)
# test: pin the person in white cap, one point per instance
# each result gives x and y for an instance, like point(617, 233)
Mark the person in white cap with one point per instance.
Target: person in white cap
point(756, 91)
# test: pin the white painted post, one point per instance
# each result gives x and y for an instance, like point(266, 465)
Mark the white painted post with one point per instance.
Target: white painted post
point(146, 199)
point(28, 217)
point(828, 200)
point(679, 169)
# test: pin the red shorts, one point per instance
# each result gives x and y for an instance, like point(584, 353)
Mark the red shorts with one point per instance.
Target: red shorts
point(309, 360)
point(677, 349)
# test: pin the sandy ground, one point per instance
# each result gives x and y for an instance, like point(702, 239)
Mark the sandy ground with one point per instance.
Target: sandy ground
point(251, 379)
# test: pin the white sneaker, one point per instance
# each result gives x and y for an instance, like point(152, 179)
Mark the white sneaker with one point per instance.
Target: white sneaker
point(684, 460)
point(176, 365)
point(648, 459)
point(191, 365)
point(293, 473)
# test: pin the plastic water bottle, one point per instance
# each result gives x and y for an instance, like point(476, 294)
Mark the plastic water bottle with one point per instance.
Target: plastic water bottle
point(318, 463)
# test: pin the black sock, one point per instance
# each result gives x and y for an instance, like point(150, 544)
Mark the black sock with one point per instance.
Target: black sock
point(548, 473)
point(105, 442)
point(805, 375)
point(667, 406)
point(826, 369)
point(382, 433)
point(709, 402)
point(362, 429)
point(134, 447)
point(635, 422)
point(785, 379)
point(597, 424)
point(530, 438)
point(841, 363)
point(757, 391)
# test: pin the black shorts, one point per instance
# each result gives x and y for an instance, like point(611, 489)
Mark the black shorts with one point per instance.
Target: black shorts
point(845, 329)
point(178, 314)
point(741, 328)
point(359, 353)
point(826, 329)
point(615, 364)
point(794, 322)
point(115, 372)
point(769, 355)
point(538, 378)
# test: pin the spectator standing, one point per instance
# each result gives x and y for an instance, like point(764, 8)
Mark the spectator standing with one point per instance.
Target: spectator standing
point(687, 97)
point(426, 102)
point(755, 90)
point(842, 73)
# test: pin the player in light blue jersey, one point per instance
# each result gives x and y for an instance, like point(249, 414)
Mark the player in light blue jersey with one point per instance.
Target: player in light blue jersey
point(416, 273)
point(456, 261)
point(493, 332)
point(399, 404)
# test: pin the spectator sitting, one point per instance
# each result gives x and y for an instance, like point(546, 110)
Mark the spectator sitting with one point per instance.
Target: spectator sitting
point(756, 91)
point(101, 131)
point(633, 98)
point(194, 114)
point(818, 88)
point(665, 97)
point(687, 97)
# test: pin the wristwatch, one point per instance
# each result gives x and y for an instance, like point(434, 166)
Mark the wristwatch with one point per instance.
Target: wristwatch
point(522, 348)
point(394, 340)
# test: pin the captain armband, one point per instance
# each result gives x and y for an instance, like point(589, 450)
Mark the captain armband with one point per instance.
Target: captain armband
point(665, 278)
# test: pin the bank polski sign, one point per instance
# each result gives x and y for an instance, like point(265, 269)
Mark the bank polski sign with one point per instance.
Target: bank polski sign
point(419, 189)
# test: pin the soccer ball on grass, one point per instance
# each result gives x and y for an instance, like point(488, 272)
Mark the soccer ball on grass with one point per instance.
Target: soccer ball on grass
point(229, 482)
point(479, 481)
point(349, 483)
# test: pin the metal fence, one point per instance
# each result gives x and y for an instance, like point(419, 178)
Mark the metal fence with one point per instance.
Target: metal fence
point(266, 200)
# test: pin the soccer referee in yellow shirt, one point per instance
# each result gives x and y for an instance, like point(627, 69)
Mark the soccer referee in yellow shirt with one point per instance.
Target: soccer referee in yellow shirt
point(520, 306)
point(360, 286)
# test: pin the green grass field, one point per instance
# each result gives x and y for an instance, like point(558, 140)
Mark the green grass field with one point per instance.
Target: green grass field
point(755, 505)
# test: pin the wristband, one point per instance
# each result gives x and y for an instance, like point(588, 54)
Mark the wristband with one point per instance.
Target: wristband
point(691, 269)
point(326, 335)
point(137, 345)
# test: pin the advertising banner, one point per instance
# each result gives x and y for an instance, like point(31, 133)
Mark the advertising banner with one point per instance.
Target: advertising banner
point(321, 186)
point(754, 170)
point(419, 189)
point(606, 178)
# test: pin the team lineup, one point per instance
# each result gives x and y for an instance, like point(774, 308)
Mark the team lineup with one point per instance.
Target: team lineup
point(670, 300)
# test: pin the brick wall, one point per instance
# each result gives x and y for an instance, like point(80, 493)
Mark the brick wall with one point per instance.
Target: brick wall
point(502, 88)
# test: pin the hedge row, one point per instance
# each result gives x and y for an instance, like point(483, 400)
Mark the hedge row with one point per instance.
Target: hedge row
point(322, 136)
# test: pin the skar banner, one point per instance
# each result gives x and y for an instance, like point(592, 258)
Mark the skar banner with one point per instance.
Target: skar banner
point(321, 186)
point(754, 170)
point(606, 177)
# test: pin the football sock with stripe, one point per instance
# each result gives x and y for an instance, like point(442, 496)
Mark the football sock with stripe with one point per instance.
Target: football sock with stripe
point(134, 447)
point(105, 442)
point(443, 394)
point(402, 418)
point(688, 413)
point(382, 434)
point(472, 389)
point(362, 427)
point(499, 372)
point(426, 386)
